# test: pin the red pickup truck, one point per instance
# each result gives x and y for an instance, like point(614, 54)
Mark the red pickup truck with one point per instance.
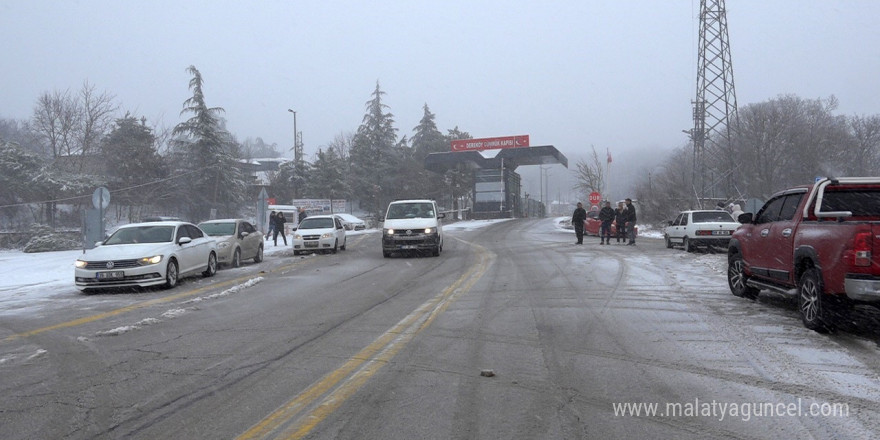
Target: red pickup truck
point(815, 243)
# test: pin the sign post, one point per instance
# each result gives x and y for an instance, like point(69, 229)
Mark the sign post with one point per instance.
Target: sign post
point(100, 200)
point(595, 198)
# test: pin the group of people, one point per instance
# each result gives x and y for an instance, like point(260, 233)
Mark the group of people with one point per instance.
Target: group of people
point(276, 225)
point(624, 215)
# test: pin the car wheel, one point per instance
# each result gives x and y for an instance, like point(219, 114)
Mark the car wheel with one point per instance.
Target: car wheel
point(335, 247)
point(236, 258)
point(212, 266)
point(668, 242)
point(811, 302)
point(343, 243)
point(686, 242)
point(259, 257)
point(737, 279)
point(436, 251)
point(386, 254)
point(171, 274)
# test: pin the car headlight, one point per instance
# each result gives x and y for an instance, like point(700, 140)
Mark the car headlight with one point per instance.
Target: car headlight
point(146, 261)
point(428, 230)
point(297, 237)
point(389, 231)
point(328, 235)
point(224, 245)
point(80, 264)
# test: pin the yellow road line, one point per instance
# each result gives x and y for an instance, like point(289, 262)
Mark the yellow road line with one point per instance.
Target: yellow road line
point(367, 362)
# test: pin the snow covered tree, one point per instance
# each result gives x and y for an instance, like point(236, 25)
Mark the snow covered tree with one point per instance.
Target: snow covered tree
point(17, 170)
point(373, 160)
point(134, 165)
point(327, 176)
point(205, 152)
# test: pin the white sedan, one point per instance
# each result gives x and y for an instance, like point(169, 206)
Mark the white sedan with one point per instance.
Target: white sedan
point(319, 233)
point(237, 240)
point(700, 228)
point(147, 254)
point(352, 223)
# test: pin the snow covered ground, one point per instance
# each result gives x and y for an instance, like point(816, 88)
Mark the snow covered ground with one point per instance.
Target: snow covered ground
point(27, 280)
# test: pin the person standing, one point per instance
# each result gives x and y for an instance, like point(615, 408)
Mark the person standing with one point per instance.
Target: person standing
point(619, 217)
point(606, 216)
point(271, 225)
point(577, 220)
point(631, 222)
point(302, 215)
point(279, 228)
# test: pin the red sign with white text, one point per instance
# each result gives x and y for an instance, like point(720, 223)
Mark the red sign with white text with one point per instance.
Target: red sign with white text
point(490, 143)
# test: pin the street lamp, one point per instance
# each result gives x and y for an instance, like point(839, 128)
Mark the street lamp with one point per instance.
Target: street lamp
point(295, 138)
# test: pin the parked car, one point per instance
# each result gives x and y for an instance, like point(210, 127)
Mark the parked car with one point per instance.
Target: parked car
point(592, 225)
point(319, 233)
point(818, 243)
point(147, 254)
point(412, 225)
point(236, 239)
point(700, 228)
point(352, 223)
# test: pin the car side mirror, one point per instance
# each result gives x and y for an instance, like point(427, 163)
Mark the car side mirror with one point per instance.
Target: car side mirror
point(244, 234)
point(745, 217)
point(381, 219)
point(441, 215)
point(669, 223)
point(184, 240)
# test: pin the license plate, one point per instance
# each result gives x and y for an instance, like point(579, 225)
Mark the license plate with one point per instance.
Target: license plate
point(409, 246)
point(720, 232)
point(113, 275)
point(311, 244)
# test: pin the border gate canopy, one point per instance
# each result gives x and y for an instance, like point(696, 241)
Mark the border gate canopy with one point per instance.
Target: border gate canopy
point(511, 158)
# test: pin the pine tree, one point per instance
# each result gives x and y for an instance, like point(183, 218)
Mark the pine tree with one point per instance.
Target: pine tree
point(133, 164)
point(373, 158)
point(206, 149)
point(327, 178)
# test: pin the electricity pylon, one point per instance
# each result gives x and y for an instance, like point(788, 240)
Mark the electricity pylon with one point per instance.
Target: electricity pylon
point(715, 115)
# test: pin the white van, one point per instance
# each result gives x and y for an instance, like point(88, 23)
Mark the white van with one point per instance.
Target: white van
point(412, 225)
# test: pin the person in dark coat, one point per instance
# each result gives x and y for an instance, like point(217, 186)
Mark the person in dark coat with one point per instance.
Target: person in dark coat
point(619, 213)
point(271, 228)
point(631, 221)
point(606, 216)
point(279, 228)
point(577, 220)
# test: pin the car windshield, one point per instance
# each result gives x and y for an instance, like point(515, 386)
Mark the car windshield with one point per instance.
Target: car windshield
point(218, 229)
point(141, 234)
point(712, 216)
point(410, 210)
point(316, 223)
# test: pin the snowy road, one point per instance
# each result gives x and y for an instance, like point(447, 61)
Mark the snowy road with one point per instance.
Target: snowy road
point(514, 332)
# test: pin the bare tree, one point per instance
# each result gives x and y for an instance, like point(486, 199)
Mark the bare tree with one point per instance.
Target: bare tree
point(96, 118)
point(590, 175)
point(55, 118)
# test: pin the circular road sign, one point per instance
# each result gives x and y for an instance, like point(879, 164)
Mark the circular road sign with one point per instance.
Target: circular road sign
point(101, 198)
point(595, 198)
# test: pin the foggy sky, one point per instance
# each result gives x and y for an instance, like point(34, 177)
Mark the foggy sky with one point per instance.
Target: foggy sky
point(617, 75)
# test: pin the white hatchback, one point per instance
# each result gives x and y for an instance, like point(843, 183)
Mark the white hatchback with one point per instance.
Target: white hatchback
point(147, 254)
point(700, 228)
point(319, 233)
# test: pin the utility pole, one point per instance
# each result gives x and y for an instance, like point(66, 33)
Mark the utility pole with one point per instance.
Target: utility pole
point(297, 154)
